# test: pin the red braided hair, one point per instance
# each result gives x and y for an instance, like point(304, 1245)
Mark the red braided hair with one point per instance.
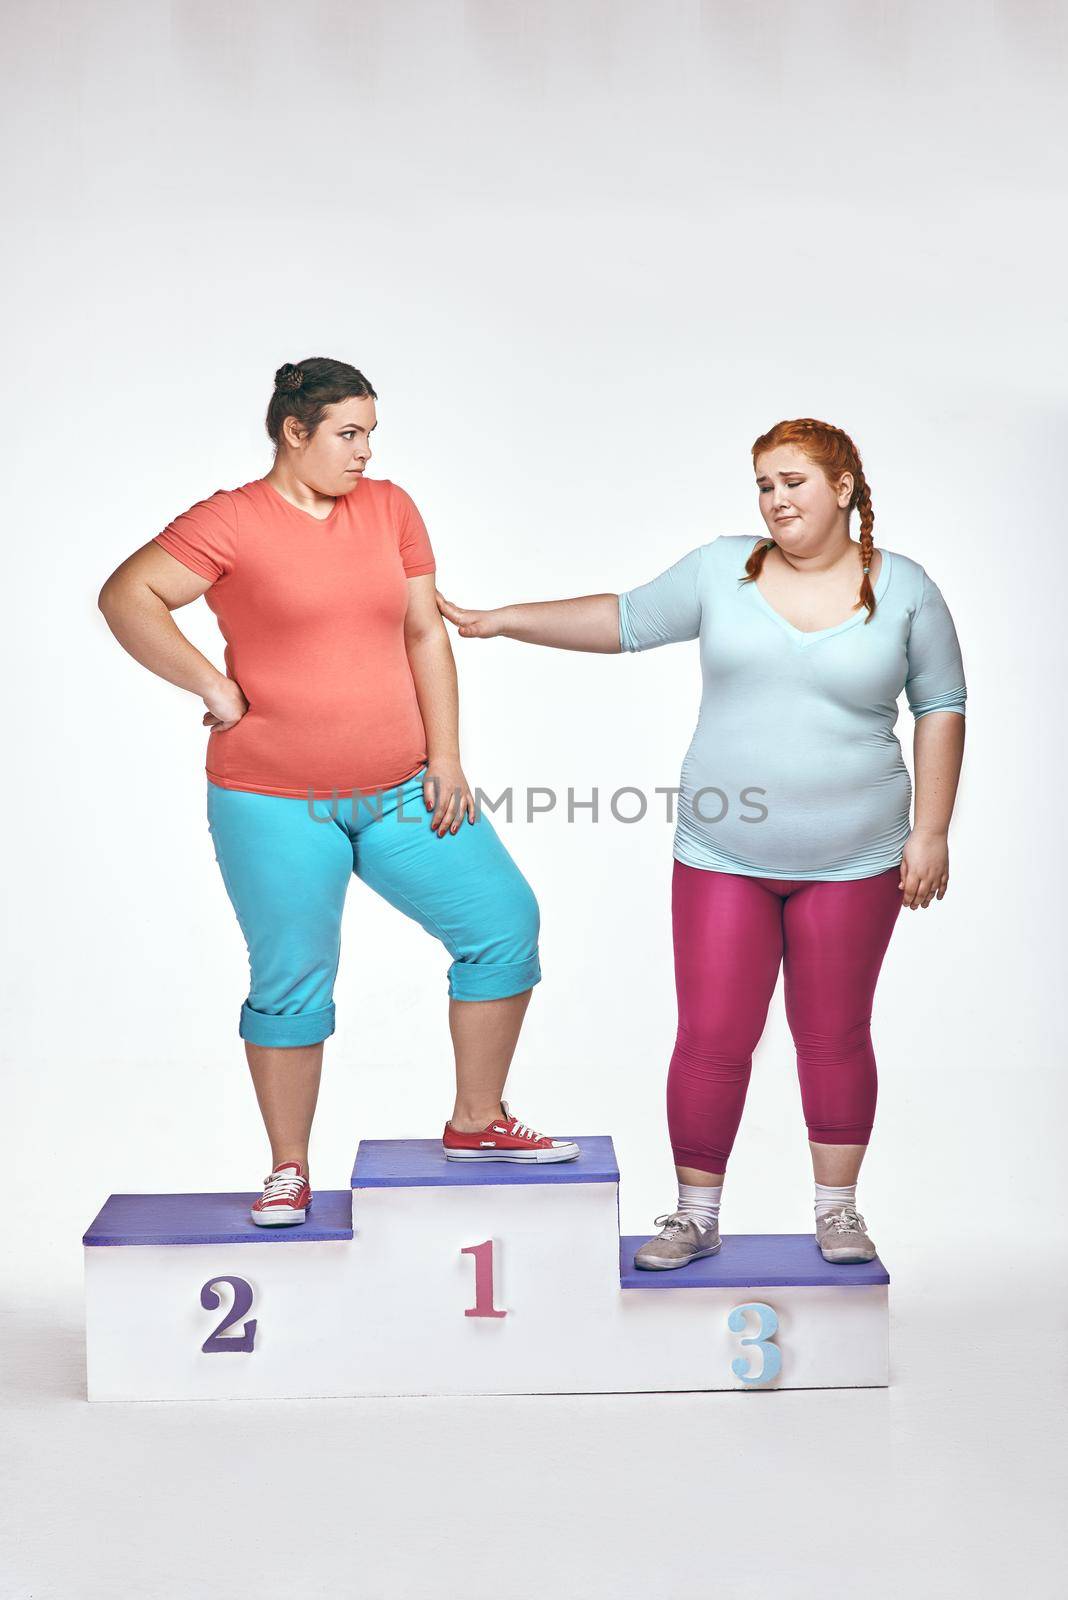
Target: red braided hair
point(834, 452)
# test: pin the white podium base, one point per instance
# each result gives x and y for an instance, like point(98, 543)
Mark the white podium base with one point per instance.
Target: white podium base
point(438, 1277)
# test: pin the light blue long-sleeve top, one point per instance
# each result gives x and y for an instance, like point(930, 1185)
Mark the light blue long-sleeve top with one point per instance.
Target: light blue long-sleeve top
point(794, 770)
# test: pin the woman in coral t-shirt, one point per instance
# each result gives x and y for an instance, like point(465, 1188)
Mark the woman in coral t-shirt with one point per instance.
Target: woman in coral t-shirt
point(334, 750)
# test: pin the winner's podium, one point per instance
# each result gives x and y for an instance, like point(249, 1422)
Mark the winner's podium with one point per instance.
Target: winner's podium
point(448, 1277)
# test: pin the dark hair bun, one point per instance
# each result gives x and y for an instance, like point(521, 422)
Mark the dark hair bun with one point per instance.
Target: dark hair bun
point(306, 389)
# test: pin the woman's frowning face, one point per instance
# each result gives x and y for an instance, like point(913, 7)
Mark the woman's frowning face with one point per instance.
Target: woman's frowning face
point(799, 505)
point(332, 460)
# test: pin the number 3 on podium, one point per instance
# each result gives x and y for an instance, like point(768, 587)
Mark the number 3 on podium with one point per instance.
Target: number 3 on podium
point(772, 1355)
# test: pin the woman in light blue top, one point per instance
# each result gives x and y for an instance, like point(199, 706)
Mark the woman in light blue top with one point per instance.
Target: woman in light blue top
point(793, 844)
point(794, 769)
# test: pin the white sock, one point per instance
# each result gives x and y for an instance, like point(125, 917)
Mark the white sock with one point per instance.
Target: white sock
point(829, 1198)
point(697, 1200)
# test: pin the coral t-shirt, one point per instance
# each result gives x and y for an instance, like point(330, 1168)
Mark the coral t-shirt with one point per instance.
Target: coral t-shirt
point(312, 612)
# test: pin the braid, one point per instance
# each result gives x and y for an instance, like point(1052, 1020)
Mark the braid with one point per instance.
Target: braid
point(833, 450)
point(867, 546)
point(754, 566)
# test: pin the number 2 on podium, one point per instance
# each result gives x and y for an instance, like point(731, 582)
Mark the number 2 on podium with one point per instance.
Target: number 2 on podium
point(218, 1343)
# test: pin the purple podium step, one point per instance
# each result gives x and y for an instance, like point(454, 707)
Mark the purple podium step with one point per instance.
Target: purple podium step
point(213, 1219)
point(422, 1164)
point(749, 1261)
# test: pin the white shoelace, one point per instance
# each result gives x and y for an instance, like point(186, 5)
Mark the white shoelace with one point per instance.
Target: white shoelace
point(520, 1130)
point(282, 1186)
point(673, 1223)
point(847, 1220)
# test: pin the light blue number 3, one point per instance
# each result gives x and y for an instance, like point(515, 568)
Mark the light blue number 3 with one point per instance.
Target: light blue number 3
point(772, 1355)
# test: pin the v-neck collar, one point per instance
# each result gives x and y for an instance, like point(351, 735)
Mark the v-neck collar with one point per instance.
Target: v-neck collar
point(802, 637)
point(320, 522)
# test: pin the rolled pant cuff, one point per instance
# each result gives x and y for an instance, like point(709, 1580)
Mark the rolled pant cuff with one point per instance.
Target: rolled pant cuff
point(305, 1027)
point(701, 1160)
point(857, 1133)
point(494, 980)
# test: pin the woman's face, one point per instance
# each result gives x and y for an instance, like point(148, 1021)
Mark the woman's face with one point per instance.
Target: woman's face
point(800, 507)
point(333, 458)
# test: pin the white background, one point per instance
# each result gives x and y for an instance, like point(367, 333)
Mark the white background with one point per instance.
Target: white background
point(586, 253)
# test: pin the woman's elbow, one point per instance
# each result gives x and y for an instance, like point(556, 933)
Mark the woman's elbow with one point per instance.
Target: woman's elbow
point(108, 598)
point(431, 631)
point(118, 596)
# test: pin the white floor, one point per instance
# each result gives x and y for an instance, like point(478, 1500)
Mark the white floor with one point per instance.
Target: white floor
point(950, 1483)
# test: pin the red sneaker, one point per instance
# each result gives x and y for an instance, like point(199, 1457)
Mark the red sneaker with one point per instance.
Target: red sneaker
point(506, 1139)
point(285, 1199)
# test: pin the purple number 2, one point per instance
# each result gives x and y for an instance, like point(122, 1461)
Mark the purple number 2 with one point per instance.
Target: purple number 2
point(211, 1300)
point(483, 1254)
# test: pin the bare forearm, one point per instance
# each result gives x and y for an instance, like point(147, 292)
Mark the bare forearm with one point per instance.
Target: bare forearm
point(937, 751)
point(145, 628)
point(589, 622)
point(434, 673)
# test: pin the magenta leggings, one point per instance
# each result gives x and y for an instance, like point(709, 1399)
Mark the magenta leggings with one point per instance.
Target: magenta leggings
point(731, 933)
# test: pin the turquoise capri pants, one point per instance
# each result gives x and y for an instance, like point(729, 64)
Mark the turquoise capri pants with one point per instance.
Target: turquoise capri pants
point(286, 864)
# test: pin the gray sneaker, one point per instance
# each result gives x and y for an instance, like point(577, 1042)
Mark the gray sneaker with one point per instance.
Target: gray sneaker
point(841, 1236)
point(681, 1239)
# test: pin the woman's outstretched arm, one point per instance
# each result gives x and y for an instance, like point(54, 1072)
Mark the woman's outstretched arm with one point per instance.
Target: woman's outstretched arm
point(589, 622)
point(664, 611)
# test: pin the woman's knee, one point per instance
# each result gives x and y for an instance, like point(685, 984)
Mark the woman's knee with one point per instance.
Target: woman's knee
point(829, 1043)
point(839, 1083)
point(717, 1040)
point(497, 954)
point(522, 916)
point(291, 992)
point(292, 971)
